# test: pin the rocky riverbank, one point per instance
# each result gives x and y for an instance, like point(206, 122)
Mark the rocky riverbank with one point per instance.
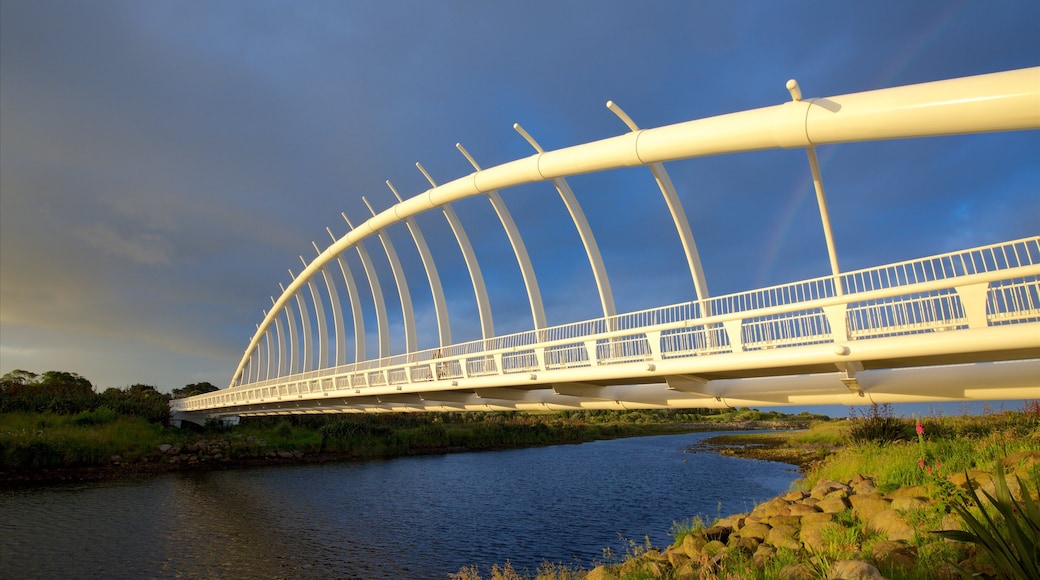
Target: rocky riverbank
point(796, 536)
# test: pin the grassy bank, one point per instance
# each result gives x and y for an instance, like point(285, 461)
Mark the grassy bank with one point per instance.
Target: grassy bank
point(922, 474)
point(100, 442)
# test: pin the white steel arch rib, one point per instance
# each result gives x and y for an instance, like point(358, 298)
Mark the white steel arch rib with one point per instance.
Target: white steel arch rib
point(407, 312)
point(337, 314)
point(588, 239)
point(1003, 101)
point(487, 325)
point(305, 322)
point(671, 199)
point(440, 303)
point(323, 329)
point(355, 303)
point(280, 333)
point(534, 294)
point(290, 321)
point(382, 322)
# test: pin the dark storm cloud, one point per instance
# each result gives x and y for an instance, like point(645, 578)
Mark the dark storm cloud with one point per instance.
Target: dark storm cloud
point(162, 164)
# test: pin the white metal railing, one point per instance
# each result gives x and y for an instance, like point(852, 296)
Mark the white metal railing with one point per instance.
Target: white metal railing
point(626, 338)
point(942, 311)
point(796, 328)
point(1014, 301)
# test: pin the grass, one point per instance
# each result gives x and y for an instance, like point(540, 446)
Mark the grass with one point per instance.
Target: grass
point(897, 457)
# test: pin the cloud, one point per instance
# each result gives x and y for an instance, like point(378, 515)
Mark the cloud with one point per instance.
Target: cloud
point(145, 248)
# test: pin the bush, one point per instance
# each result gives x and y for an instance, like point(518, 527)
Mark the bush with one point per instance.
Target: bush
point(879, 425)
point(1011, 538)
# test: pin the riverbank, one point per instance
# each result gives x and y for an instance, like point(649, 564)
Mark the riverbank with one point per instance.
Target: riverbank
point(45, 448)
point(876, 496)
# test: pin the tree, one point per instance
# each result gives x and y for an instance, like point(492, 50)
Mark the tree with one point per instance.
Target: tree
point(194, 389)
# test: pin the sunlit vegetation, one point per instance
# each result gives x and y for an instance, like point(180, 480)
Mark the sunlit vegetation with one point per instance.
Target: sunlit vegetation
point(998, 515)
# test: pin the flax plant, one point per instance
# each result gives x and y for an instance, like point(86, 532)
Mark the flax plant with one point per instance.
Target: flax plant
point(1011, 538)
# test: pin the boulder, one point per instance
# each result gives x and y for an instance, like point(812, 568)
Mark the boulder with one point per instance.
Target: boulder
point(801, 509)
point(165, 447)
point(853, 570)
point(865, 506)
point(693, 546)
point(832, 505)
point(784, 536)
point(796, 572)
point(757, 531)
point(762, 555)
point(904, 504)
point(889, 555)
point(811, 534)
point(908, 491)
point(602, 572)
point(890, 523)
point(826, 486)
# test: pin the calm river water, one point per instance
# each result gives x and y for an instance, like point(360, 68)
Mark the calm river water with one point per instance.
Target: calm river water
point(417, 517)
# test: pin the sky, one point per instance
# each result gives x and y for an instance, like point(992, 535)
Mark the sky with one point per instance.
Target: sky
point(164, 165)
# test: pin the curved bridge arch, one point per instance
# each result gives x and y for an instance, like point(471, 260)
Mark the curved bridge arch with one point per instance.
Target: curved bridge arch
point(566, 363)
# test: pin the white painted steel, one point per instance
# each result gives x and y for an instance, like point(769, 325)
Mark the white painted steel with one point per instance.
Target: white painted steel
point(337, 316)
point(407, 311)
point(355, 308)
point(671, 199)
point(534, 294)
point(378, 299)
point(794, 314)
point(440, 304)
point(487, 325)
point(323, 328)
point(588, 239)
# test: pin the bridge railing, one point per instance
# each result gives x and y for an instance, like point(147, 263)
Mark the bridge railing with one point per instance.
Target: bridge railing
point(776, 317)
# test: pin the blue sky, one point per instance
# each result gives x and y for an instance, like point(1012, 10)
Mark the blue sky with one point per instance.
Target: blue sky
point(162, 164)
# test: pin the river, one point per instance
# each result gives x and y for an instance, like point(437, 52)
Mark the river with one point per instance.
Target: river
point(415, 517)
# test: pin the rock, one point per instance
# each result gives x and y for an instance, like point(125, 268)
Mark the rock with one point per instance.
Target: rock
point(795, 496)
point(817, 517)
point(796, 572)
point(602, 572)
point(165, 447)
point(862, 485)
point(733, 522)
point(801, 509)
point(757, 531)
point(904, 504)
point(865, 506)
point(693, 546)
point(853, 570)
point(832, 505)
point(975, 478)
point(784, 521)
point(784, 536)
point(892, 524)
point(774, 507)
point(826, 486)
point(909, 491)
point(811, 534)
point(677, 558)
point(889, 555)
point(762, 555)
point(713, 547)
point(746, 545)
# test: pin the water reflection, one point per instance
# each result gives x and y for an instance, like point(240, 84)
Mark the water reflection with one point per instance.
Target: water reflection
point(421, 517)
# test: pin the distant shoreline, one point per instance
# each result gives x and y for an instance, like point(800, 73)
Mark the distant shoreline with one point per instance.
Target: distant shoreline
point(156, 467)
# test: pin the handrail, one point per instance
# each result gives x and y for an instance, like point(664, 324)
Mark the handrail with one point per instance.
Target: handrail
point(1001, 101)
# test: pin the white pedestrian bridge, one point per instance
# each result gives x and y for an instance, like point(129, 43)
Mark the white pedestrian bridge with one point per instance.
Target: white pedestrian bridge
point(963, 325)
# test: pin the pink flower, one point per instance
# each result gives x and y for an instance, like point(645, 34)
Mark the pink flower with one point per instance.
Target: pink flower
point(920, 463)
point(937, 464)
point(929, 471)
point(920, 428)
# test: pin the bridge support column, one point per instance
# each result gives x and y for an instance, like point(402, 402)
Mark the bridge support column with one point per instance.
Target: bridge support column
point(973, 299)
point(590, 348)
point(653, 339)
point(835, 314)
point(539, 353)
point(733, 330)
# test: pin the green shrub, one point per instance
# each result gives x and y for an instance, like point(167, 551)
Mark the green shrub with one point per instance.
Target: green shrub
point(1011, 537)
point(878, 425)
